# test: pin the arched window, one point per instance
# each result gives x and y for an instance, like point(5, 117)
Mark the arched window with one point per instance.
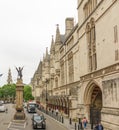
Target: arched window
point(62, 72)
point(89, 7)
point(70, 67)
point(91, 42)
point(88, 33)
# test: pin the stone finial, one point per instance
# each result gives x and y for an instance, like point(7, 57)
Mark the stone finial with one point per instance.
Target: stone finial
point(52, 45)
point(46, 54)
point(57, 39)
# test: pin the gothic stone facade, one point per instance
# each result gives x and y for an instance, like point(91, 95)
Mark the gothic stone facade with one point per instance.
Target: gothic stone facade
point(82, 68)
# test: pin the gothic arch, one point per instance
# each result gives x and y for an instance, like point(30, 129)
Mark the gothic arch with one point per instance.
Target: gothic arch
point(89, 90)
point(93, 101)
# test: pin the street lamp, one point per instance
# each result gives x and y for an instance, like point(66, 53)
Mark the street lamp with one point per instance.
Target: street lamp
point(46, 93)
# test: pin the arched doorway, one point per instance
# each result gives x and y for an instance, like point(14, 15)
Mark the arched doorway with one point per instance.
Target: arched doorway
point(93, 101)
point(96, 105)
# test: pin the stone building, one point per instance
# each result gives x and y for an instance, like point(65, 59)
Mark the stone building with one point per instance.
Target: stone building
point(9, 78)
point(80, 76)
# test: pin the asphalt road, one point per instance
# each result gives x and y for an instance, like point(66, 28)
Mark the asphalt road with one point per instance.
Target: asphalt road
point(6, 118)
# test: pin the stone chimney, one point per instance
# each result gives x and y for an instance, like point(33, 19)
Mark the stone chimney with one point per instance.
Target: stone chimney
point(69, 24)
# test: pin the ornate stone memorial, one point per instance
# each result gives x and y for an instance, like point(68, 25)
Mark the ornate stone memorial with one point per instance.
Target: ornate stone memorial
point(19, 115)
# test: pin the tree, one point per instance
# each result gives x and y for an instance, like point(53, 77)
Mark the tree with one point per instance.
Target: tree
point(28, 93)
point(8, 91)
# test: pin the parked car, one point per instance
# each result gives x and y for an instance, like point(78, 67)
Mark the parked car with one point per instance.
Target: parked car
point(38, 121)
point(2, 108)
point(1, 102)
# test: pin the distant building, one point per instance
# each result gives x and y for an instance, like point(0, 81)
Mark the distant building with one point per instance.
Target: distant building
point(9, 78)
point(82, 68)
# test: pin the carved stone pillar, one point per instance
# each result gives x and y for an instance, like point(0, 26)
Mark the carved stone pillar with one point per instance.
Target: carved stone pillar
point(88, 111)
point(19, 115)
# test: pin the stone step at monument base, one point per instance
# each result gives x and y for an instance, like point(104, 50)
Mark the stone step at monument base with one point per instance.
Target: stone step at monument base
point(17, 126)
point(19, 116)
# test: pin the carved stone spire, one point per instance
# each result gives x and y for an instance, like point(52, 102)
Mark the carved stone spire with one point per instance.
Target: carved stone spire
point(9, 79)
point(57, 39)
point(52, 45)
point(47, 56)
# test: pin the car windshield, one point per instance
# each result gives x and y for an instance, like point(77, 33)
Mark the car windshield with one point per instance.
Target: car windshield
point(38, 118)
point(32, 105)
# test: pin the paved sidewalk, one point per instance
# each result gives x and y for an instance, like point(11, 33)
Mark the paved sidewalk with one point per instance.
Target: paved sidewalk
point(66, 123)
point(74, 126)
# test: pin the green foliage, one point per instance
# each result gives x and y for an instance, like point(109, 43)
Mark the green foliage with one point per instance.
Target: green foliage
point(8, 90)
point(28, 93)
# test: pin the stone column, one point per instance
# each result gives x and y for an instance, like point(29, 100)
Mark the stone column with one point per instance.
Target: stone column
point(19, 115)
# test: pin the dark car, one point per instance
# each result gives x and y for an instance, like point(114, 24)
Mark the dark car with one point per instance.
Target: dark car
point(38, 121)
point(31, 107)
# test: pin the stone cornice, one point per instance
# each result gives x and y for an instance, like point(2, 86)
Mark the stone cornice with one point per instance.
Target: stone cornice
point(102, 72)
point(74, 84)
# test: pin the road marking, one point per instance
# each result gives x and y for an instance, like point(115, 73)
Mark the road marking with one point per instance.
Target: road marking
point(12, 129)
point(16, 126)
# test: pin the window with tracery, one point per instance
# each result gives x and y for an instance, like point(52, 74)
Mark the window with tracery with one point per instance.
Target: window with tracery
point(91, 42)
point(70, 67)
point(89, 7)
point(115, 34)
point(62, 73)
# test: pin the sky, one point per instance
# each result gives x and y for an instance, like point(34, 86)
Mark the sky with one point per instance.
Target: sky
point(26, 29)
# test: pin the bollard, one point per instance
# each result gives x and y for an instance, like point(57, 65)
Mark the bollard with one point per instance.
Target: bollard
point(75, 125)
point(78, 127)
point(79, 120)
point(81, 126)
point(62, 119)
point(70, 121)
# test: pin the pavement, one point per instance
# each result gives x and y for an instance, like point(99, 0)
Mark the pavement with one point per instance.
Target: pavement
point(64, 121)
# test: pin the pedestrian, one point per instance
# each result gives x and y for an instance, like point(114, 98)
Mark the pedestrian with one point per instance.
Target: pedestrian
point(56, 112)
point(84, 122)
point(99, 126)
point(52, 111)
point(6, 110)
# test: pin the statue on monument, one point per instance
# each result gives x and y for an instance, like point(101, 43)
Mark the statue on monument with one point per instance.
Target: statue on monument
point(19, 70)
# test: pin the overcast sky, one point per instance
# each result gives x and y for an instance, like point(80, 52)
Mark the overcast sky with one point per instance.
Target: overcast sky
point(26, 27)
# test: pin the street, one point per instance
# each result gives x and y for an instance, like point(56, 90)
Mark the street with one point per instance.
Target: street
point(6, 118)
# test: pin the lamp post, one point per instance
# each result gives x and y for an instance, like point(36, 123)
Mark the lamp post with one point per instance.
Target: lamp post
point(46, 93)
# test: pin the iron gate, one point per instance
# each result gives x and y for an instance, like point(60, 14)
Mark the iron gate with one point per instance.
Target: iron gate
point(95, 115)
